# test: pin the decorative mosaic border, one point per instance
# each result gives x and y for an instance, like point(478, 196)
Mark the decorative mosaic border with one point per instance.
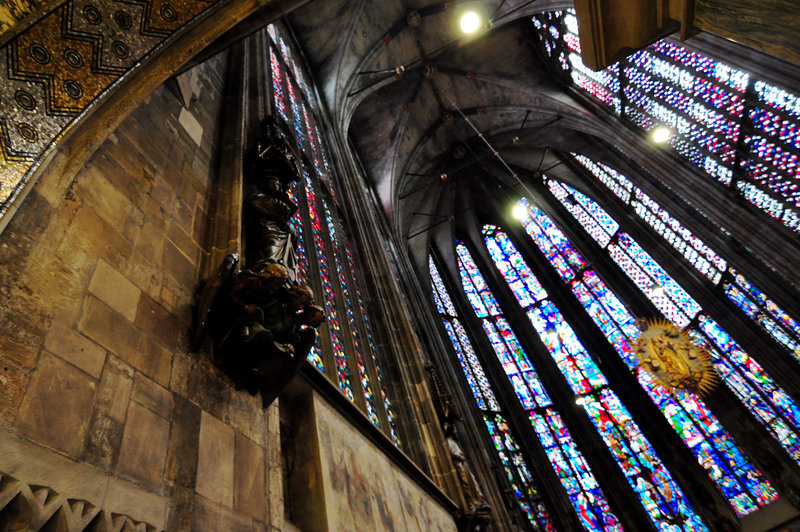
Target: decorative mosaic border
point(63, 63)
point(30, 507)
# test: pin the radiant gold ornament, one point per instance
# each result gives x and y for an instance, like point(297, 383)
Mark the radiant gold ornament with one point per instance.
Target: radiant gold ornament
point(673, 359)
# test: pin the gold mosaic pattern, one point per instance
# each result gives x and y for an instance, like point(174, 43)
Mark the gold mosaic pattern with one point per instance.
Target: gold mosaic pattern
point(60, 65)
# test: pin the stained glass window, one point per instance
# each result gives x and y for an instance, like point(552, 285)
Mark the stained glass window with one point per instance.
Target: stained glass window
point(516, 469)
point(329, 295)
point(645, 472)
point(334, 268)
point(764, 311)
point(752, 301)
point(366, 387)
point(741, 484)
point(706, 104)
point(277, 85)
point(566, 459)
point(768, 403)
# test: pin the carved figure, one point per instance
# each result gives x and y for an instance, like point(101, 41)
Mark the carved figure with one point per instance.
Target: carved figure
point(673, 359)
point(472, 491)
point(262, 322)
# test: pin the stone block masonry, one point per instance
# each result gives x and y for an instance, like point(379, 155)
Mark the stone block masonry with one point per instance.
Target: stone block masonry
point(105, 419)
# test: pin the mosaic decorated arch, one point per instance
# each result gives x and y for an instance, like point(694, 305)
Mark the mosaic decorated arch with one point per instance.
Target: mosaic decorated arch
point(77, 57)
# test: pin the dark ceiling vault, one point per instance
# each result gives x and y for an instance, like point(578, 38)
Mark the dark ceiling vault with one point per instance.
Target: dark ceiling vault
point(427, 110)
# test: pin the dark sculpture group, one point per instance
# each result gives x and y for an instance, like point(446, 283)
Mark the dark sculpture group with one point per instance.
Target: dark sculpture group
point(261, 320)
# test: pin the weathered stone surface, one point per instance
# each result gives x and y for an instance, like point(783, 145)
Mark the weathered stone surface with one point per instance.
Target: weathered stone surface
point(150, 242)
point(14, 379)
point(115, 388)
point(56, 405)
point(249, 478)
point(141, 505)
point(215, 461)
point(34, 464)
point(111, 330)
point(103, 441)
point(157, 321)
point(68, 344)
point(150, 395)
point(115, 290)
point(211, 517)
point(108, 202)
point(184, 443)
point(191, 125)
point(178, 265)
point(275, 494)
point(200, 382)
point(144, 446)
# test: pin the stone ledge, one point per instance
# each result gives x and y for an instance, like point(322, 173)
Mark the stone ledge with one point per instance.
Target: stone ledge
point(51, 489)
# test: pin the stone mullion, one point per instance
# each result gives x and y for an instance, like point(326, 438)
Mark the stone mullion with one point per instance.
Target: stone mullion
point(399, 346)
point(745, 128)
point(370, 361)
point(225, 233)
point(257, 59)
point(606, 470)
point(693, 479)
point(549, 486)
point(346, 337)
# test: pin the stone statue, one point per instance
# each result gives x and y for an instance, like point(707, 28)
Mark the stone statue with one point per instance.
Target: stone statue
point(261, 320)
point(477, 514)
point(476, 502)
point(268, 209)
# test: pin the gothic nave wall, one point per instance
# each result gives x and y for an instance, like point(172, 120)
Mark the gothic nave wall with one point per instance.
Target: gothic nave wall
point(101, 400)
point(106, 417)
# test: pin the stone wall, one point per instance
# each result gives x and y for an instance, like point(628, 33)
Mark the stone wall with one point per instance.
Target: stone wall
point(106, 417)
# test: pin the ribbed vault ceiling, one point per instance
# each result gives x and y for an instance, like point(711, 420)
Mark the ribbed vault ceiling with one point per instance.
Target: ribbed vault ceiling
point(399, 79)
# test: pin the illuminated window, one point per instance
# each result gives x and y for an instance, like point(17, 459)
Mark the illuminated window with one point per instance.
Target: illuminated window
point(566, 459)
point(752, 301)
point(767, 402)
point(645, 472)
point(741, 484)
point(332, 269)
point(706, 104)
point(516, 469)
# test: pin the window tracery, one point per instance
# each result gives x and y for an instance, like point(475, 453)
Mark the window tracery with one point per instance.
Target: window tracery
point(742, 485)
point(757, 391)
point(517, 471)
point(707, 104)
point(566, 459)
point(334, 266)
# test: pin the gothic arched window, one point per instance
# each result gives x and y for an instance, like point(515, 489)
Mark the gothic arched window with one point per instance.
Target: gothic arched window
point(741, 484)
point(743, 132)
point(565, 457)
point(757, 391)
point(326, 262)
point(751, 300)
point(508, 451)
point(647, 475)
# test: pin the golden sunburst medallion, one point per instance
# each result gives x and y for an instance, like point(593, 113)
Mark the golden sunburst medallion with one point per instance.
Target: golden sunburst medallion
point(669, 355)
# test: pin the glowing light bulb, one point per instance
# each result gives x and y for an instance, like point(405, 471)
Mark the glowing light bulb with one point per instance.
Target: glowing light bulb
point(519, 211)
point(470, 22)
point(660, 135)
